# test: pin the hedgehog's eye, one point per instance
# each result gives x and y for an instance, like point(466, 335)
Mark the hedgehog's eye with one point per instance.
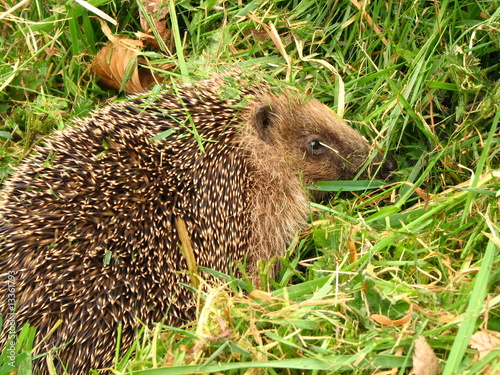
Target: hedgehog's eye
point(316, 147)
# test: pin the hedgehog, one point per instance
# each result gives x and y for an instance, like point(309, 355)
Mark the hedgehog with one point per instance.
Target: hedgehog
point(88, 224)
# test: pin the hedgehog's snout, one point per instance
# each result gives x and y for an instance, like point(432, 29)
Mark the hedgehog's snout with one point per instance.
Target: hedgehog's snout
point(383, 168)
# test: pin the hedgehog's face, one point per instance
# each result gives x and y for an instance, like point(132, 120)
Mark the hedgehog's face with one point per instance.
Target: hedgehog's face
point(317, 145)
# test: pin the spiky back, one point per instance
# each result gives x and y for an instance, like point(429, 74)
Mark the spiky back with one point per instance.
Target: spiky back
point(88, 222)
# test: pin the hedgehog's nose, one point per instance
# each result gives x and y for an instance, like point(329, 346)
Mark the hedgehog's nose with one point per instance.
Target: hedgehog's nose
point(384, 169)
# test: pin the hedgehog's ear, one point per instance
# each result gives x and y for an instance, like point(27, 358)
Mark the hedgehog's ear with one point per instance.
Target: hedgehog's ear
point(263, 122)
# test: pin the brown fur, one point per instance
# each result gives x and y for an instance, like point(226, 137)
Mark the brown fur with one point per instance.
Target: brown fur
point(88, 223)
point(284, 166)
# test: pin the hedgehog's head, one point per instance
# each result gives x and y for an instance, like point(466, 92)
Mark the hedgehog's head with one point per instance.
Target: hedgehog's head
point(313, 141)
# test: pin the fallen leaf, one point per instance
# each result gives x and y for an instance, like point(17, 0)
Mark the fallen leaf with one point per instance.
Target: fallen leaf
point(425, 361)
point(484, 342)
point(118, 64)
point(118, 67)
point(117, 39)
point(157, 11)
point(384, 320)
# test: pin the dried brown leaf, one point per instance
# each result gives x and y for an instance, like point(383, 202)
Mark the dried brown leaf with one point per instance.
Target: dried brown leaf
point(117, 62)
point(163, 32)
point(187, 251)
point(425, 361)
point(484, 342)
point(384, 320)
point(127, 42)
point(157, 10)
point(353, 255)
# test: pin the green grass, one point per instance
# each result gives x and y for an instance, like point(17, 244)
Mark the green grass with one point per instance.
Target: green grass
point(421, 80)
